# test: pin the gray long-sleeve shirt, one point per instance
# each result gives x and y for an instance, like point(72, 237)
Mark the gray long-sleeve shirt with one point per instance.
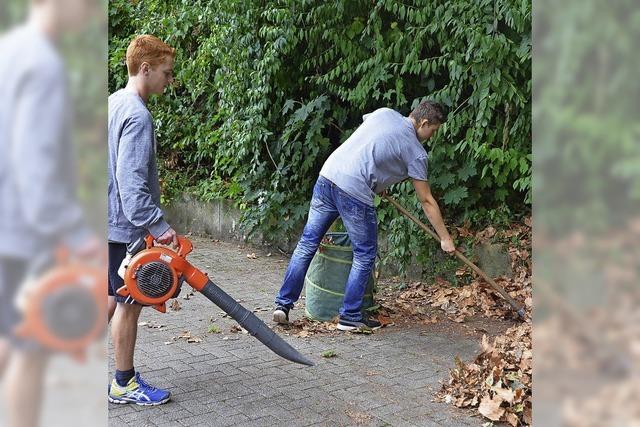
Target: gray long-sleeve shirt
point(38, 206)
point(134, 188)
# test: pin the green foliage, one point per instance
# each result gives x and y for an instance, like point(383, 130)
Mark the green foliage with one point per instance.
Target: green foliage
point(266, 90)
point(12, 12)
point(587, 152)
point(188, 117)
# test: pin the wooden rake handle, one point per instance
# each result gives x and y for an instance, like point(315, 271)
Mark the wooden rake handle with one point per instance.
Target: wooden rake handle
point(519, 310)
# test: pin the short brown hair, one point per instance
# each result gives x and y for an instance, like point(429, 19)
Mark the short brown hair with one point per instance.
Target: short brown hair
point(149, 49)
point(431, 111)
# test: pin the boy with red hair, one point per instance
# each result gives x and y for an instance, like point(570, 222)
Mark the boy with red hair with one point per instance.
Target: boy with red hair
point(134, 202)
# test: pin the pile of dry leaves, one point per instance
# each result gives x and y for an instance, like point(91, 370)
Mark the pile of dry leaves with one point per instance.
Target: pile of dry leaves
point(412, 302)
point(613, 404)
point(498, 381)
point(588, 354)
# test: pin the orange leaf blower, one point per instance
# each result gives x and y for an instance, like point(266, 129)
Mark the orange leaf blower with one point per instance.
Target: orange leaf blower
point(65, 308)
point(154, 274)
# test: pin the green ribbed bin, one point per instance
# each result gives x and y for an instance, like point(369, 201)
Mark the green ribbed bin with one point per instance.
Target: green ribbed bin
point(327, 277)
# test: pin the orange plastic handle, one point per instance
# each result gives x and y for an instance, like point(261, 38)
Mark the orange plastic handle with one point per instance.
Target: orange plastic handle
point(185, 247)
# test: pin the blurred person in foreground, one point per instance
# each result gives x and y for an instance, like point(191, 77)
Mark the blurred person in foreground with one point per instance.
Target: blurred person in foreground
point(384, 150)
point(38, 207)
point(134, 201)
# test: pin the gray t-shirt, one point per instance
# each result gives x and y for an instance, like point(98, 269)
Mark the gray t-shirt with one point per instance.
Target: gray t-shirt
point(383, 150)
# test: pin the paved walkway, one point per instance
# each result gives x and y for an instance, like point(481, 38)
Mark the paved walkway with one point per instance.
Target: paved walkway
point(230, 379)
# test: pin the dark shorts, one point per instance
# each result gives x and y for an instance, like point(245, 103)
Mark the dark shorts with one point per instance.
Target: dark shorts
point(13, 272)
point(117, 252)
point(12, 275)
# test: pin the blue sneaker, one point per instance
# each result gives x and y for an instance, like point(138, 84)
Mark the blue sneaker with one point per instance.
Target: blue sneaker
point(139, 392)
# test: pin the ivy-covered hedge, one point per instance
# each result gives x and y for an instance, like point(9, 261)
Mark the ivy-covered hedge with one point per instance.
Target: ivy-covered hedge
point(267, 89)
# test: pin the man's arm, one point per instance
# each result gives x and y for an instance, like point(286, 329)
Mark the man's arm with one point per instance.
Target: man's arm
point(432, 210)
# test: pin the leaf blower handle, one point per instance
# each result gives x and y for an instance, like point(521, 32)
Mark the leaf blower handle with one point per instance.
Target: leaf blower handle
point(184, 245)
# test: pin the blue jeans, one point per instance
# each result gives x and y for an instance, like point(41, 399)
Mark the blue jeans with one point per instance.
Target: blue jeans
point(359, 219)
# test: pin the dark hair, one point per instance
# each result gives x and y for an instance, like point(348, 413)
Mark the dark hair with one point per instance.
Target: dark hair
point(431, 111)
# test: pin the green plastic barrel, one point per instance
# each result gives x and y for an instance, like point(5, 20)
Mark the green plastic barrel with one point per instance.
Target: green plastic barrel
point(327, 277)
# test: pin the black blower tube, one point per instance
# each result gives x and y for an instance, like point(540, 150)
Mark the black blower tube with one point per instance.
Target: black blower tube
point(252, 324)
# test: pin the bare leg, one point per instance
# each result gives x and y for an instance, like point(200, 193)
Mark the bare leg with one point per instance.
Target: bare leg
point(111, 307)
point(5, 355)
point(24, 388)
point(124, 331)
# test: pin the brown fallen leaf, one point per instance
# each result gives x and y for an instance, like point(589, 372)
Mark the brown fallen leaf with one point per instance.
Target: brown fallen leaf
point(527, 415)
point(384, 320)
point(486, 346)
point(490, 408)
point(175, 305)
point(512, 419)
point(186, 335)
point(487, 233)
point(458, 319)
point(504, 394)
